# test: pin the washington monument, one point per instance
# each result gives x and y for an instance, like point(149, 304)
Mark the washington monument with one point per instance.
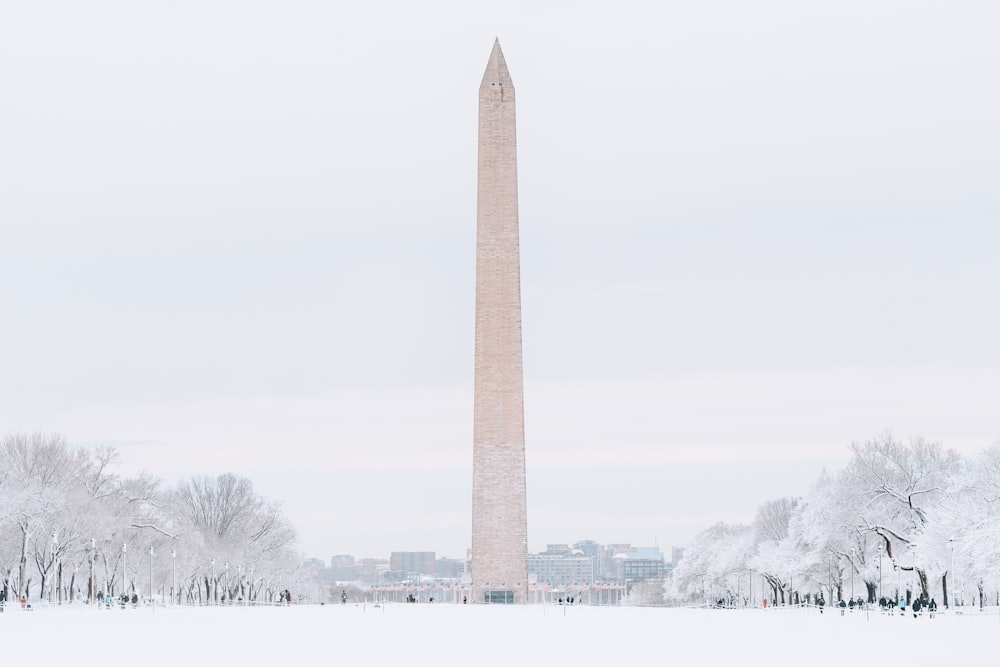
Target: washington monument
point(499, 500)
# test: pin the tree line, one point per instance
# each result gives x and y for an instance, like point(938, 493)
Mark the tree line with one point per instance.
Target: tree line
point(71, 528)
point(901, 519)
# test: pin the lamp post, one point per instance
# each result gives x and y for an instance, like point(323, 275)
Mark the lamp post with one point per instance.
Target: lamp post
point(225, 578)
point(880, 572)
point(53, 566)
point(173, 575)
point(899, 581)
point(151, 574)
point(829, 577)
point(250, 591)
point(951, 572)
point(124, 569)
point(852, 574)
point(791, 583)
point(214, 584)
point(93, 587)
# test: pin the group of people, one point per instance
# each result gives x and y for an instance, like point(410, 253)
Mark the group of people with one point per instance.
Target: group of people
point(123, 600)
point(918, 605)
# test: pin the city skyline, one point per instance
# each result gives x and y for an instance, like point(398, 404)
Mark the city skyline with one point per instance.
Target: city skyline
point(239, 237)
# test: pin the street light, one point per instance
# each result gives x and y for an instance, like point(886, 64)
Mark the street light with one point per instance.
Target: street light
point(852, 574)
point(880, 572)
point(951, 547)
point(93, 585)
point(173, 582)
point(124, 570)
point(53, 565)
point(150, 574)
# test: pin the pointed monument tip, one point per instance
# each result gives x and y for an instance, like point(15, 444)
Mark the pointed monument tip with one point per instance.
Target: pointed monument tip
point(496, 69)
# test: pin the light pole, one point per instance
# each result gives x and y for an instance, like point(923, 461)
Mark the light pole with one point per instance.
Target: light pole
point(951, 547)
point(53, 565)
point(791, 583)
point(93, 587)
point(124, 569)
point(852, 574)
point(225, 578)
point(829, 577)
point(151, 574)
point(880, 572)
point(899, 581)
point(214, 585)
point(173, 575)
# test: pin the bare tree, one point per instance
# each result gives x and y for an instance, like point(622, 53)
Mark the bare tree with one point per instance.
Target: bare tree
point(38, 468)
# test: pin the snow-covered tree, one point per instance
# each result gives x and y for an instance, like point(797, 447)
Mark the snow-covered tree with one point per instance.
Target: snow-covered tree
point(897, 486)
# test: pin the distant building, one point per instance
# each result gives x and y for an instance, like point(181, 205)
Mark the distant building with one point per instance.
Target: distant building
point(341, 560)
point(450, 568)
point(557, 549)
point(421, 562)
point(372, 568)
point(561, 569)
point(317, 563)
point(640, 563)
point(607, 565)
point(594, 551)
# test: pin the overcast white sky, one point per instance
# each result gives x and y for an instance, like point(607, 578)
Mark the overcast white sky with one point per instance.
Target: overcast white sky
point(240, 236)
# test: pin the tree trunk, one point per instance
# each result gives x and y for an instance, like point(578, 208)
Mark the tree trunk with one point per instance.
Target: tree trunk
point(21, 572)
point(944, 589)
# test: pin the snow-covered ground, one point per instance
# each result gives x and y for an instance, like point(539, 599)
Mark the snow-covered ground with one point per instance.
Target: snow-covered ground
point(447, 634)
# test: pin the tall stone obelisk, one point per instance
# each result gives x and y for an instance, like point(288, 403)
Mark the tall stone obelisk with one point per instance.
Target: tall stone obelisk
point(499, 499)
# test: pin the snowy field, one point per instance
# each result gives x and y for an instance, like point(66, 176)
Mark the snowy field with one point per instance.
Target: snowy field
point(444, 634)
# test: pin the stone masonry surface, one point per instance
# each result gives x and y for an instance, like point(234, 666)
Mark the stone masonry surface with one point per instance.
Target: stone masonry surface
point(499, 502)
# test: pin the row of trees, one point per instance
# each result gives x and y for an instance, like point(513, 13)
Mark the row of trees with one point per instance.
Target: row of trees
point(901, 519)
point(70, 526)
